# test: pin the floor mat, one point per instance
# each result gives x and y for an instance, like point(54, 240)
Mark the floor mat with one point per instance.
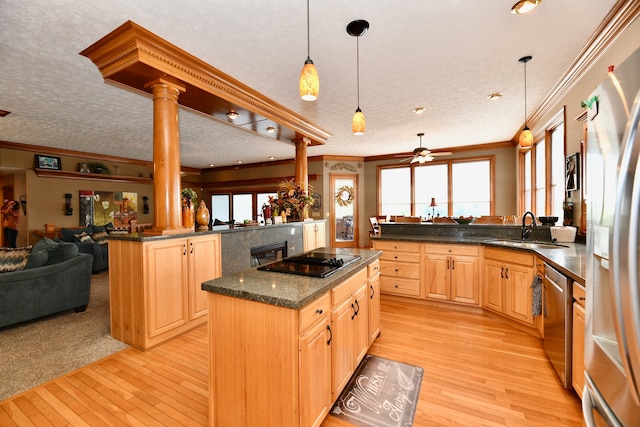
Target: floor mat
point(381, 393)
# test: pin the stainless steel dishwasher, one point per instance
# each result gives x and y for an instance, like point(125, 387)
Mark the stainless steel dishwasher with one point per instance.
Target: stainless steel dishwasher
point(558, 321)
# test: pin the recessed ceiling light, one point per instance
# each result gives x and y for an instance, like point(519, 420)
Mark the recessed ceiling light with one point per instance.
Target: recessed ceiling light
point(211, 165)
point(494, 96)
point(232, 115)
point(239, 162)
point(271, 129)
point(524, 6)
point(418, 110)
point(272, 158)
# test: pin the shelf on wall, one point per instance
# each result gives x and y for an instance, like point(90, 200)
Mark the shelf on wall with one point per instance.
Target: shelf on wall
point(50, 173)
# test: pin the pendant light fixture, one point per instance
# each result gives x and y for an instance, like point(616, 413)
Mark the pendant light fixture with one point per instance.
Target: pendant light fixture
point(524, 6)
point(358, 28)
point(309, 80)
point(526, 137)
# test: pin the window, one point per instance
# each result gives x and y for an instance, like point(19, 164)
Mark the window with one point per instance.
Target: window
point(459, 187)
point(395, 187)
point(220, 207)
point(242, 207)
point(542, 181)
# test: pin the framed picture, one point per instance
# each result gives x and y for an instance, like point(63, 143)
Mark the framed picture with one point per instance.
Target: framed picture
point(83, 168)
point(572, 172)
point(48, 162)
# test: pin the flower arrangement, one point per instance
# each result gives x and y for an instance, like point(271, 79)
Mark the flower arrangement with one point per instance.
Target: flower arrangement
point(292, 198)
point(189, 194)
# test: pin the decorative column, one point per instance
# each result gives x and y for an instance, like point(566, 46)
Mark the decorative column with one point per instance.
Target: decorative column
point(167, 206)
point(302, 169)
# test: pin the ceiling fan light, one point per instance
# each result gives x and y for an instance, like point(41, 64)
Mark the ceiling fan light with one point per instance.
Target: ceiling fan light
point(232, 115)
point(358, 124)
point(526, 138)
point(309, 81)
point(524, 6)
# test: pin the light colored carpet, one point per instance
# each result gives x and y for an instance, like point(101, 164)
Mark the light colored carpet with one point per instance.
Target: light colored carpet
point(38, 351)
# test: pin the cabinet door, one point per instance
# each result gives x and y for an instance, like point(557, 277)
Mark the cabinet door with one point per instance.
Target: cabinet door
point(492, 293)
point(321, 234)
point(342, 316)
point(577, 367)
point(204, 264)
point(374, 307)
point(167, 302)
point(465, 283)
point(309, 237)
point(315, 370)
point(518, 293)
point(361, 325)
point(437, 277)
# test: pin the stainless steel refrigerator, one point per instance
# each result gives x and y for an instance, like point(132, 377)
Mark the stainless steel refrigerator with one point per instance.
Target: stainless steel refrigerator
point(611, 395)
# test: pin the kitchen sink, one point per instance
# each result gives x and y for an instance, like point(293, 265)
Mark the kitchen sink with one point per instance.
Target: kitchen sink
point(532, 244)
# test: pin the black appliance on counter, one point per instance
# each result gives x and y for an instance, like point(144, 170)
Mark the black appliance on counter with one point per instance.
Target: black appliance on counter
point(313, 264)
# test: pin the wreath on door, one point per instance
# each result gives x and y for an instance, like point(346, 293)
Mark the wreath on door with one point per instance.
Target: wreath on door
point(344, 196)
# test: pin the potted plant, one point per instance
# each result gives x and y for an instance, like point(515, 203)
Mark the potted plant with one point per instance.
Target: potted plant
point(99, 167)
point(189, 197)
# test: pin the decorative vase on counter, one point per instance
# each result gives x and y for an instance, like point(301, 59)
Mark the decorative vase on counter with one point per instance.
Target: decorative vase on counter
point(188, 214)
point(202, 216)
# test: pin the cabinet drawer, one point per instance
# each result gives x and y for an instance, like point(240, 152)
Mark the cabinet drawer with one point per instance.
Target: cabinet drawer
point(469, 250)
point(373, 269)
point(579, 293)
point(396, 246)
point(348, 287)
point(400, 269)
point(394, 285)
point(400, 256)
point(314, 311)
point(510, 256)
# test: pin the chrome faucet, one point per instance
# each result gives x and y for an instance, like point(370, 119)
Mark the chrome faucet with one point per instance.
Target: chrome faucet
point(526, 231)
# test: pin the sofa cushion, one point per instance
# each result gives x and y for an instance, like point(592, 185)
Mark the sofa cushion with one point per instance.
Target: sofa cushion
point(68, 234)
point(83, 237)
point(62, 252)
point(100, 238)
point(14, 259)
point(39, 255)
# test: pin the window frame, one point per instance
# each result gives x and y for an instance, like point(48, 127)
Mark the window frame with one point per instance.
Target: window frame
point(449, 162)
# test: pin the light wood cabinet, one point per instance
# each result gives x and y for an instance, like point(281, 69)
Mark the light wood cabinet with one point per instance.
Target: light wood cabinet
point(577, 366)
point(452, 273)
point(275, 366)
point(373, 281)
point(315, 362)
point(507, 282)
point(400, 271)
point(154, 286)
point(350, 328)
point(314, 235)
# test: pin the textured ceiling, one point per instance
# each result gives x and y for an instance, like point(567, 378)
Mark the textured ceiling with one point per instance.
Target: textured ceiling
point(444, 55)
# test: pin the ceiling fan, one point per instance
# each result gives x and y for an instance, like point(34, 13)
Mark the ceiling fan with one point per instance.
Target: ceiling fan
point(423, 154)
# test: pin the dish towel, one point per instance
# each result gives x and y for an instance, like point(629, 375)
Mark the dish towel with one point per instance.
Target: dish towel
point(536, 304)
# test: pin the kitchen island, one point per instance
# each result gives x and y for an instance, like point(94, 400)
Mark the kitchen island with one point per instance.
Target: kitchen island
point(283, 346)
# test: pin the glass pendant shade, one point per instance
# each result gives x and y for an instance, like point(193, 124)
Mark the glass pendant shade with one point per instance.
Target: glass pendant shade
point(359, 124)
point(526, 138)
point(309, 81)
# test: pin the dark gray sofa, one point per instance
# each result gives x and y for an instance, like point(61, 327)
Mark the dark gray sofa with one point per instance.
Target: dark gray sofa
point(61, 284)
point(100, 252)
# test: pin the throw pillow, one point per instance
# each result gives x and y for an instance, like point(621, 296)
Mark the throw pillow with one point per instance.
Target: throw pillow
point(68, 234)
point(84, 238)
point(13, 259)
point(100, 238)
point(118, 230)
point(99, 228)
point(39, 255)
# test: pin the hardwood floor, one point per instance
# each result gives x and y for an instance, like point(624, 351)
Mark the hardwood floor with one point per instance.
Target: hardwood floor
point(478, 371)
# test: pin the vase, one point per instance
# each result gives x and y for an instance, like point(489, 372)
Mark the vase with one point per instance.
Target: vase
point(202, 216)
point(187, 213)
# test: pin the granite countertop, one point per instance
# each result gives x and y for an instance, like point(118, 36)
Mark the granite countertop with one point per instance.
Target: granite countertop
point(287, 290)
point(569, 260)
point(221, 229)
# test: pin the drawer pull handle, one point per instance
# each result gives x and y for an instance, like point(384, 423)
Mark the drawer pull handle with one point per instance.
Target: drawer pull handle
point(319, 311)
point(506, 273)
point(330, 335)
point(582, 298)
point(396, 286)
point(357, 307)
point(373, 291)
point(502, 272)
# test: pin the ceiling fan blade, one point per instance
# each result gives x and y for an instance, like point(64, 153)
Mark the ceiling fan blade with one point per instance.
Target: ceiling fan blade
point(441, 153)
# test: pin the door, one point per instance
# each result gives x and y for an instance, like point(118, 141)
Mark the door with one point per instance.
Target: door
point(344, 211)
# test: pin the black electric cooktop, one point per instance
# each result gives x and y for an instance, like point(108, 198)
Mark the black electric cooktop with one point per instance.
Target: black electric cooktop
point(311, 264)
